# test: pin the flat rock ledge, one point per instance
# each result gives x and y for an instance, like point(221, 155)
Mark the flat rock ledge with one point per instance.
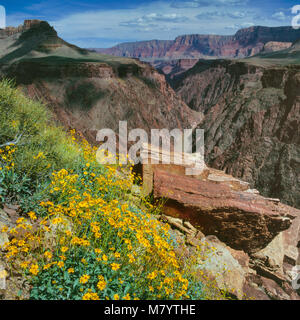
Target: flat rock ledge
point(243, 220)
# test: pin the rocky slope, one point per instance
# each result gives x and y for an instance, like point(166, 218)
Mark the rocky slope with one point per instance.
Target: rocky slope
point(89, 91)
point(248, 243)
point(255, 238)
point(252, 118)
point(246, 42)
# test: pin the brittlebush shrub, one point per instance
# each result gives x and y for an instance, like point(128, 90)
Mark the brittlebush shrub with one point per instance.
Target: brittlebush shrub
point(41, 146)
point(88, 244)
point(84, 237)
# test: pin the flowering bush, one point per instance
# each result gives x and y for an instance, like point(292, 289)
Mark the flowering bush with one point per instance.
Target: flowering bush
point(82, 234)
point(87, 241)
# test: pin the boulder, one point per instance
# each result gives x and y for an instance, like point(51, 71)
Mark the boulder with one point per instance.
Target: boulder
point(5, 219)
point(253, 292)
point(259, 276)
point(220, 263)
point(273, 290)
point(291, 242)
point(3, 280)
point(243, 220)
point(3, 236)
point(271, 256)
point(12, 212)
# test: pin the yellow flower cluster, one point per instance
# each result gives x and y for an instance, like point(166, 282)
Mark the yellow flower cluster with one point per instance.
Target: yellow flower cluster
point(87, 213)
point(6, 157)
point(90, 296)
point(101, 285)
point(40, 155)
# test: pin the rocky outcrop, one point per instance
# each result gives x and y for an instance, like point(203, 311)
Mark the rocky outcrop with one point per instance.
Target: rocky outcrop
point(246, 42)
point(241, 219)
point(247, 243)
point(8, 31)
point(235, 271)
point(251, 121)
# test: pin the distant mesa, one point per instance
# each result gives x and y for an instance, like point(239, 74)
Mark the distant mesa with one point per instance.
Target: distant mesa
point(246, 42)
point(21, 28)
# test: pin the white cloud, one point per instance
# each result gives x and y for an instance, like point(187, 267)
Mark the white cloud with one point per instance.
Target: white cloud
point(151, 20)
point(238, 26)
point(279, 16)
point(189, 4)
point(222, 14)
point(210, 14)
point(206, 3)
point(238, 14)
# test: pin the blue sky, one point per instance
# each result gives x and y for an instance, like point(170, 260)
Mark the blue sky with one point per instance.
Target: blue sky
point(106, 23)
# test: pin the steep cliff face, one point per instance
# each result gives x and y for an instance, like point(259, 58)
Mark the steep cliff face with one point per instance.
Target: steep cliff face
point(139, 49)
point(246, 42)
point(252, 121)
point(173, 68)
point(92, 96)
point(89, 91)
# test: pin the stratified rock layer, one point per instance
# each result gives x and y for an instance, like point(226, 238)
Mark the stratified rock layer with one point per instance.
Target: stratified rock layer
point(245, 43)
point(241, 219)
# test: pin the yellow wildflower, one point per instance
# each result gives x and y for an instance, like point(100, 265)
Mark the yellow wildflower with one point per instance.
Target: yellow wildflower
point(48, 255)
point(115, 266)
point(32, 215)
point(90, 296)
point(84, 279)
point(34, 269)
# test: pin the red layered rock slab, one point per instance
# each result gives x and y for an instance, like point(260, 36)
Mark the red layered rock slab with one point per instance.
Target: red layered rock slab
point(242, 220)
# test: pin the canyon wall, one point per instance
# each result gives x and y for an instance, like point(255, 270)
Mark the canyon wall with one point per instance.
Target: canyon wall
point(246, 42)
